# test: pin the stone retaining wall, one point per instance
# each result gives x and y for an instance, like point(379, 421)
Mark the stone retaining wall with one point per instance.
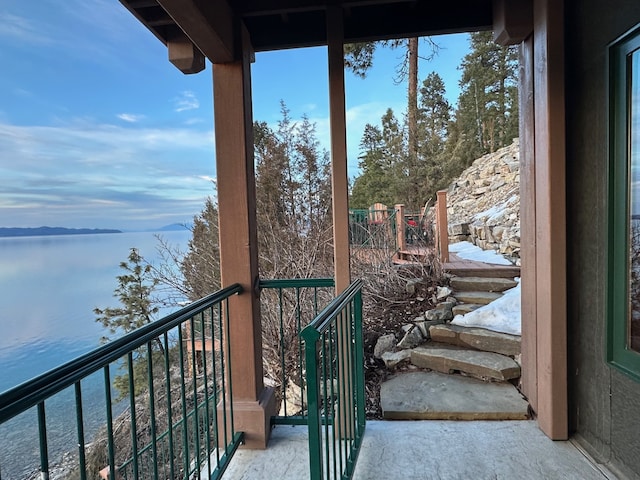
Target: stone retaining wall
point(483, 203)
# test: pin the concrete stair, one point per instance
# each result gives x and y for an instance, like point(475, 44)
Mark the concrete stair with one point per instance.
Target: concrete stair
point(469, 374)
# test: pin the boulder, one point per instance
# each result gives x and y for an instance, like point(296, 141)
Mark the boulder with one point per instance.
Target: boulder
point(384, 344)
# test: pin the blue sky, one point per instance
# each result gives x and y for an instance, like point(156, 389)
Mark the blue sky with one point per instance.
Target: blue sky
point(99, 130)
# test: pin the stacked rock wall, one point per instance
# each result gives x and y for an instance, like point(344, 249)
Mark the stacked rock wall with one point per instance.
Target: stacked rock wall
point(483, 203)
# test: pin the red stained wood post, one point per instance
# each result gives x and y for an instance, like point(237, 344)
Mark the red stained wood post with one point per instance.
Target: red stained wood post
point(401, 239)
point(253, 403)
point(338, 126)
point(442, 226)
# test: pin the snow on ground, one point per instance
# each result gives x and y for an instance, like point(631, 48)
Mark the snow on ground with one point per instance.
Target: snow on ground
point(472, 252)
point(501, 315)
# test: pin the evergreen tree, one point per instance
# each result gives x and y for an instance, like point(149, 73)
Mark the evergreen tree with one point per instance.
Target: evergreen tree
point(134, 294)
point(136, 309)
point(434, 120)
point(200, 266)
point(487, 114)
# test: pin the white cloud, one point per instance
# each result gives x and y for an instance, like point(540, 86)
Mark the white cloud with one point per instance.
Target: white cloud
point(186, 101)
point(120, 176)
point(130, 117)
point(19, 28)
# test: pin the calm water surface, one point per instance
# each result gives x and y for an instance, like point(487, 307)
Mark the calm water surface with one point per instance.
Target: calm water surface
point(49, 287)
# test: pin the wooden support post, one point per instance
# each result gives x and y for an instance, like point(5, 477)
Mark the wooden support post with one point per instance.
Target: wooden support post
point(339, 177)
point(550, 192)
point(528, 226)
point(253, 403)
point(339, 183)
point(401, 239)
point(442, 226)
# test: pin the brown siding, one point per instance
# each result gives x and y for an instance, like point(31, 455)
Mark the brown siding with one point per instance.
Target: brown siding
point(604, 404)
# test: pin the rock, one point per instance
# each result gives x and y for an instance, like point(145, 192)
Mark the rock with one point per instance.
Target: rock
point(482, 298)
point(487, 195)
point(485, 365)
point(459, 229)
point(411, 339)
point(435, 396)
point(424, 327)
point(478, 338)
point(442, 312)
point(293, 401)
point(384, 344)
point(392, 359)
point(412, 284)
point(443, 292)
point(464, 308)
point(477, 284)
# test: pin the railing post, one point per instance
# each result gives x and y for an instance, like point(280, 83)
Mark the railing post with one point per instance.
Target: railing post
point(401, 239)
point(313, 404)
point(442, 226)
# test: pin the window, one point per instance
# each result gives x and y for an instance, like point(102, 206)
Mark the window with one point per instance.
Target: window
point(624, 215)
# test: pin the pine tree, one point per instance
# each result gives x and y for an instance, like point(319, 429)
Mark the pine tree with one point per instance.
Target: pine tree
point(487, 114)
point(136, 309)
point(134, 294)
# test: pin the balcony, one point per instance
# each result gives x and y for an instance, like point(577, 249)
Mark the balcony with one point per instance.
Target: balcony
point(431, 450)
point(183, 423)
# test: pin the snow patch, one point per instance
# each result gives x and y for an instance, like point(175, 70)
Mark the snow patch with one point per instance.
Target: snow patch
point(501, 315)
point(469, 251)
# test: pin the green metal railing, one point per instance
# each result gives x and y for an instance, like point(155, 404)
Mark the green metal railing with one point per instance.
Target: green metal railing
point(174, 417)
point(372, 228)
point(287, 306)
point(333, 348)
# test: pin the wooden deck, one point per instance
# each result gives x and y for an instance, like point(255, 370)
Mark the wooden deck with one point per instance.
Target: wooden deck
point(459, 266)
point(472, 268)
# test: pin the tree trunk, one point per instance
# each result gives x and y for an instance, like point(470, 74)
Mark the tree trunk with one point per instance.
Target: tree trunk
point(412, 120)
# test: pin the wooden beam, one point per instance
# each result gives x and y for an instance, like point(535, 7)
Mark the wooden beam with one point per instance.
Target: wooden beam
point(528, 225)
point(339, 177)
point(253, 403)
point(210, 25)
point(550, 185)
point(512, 21)
point(184, 55)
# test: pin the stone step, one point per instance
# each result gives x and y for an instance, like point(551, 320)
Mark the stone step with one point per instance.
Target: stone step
point(478, 338)
point(436, 396)
point(482, 284)
point(464, 308)
point(482, 298)
point(450, 359)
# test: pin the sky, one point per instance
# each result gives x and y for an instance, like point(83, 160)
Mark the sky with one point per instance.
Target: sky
point(99, 130)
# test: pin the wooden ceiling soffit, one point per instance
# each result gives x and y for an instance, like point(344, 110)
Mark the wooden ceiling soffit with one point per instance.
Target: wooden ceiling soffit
point(368, 21)
point(512, 21)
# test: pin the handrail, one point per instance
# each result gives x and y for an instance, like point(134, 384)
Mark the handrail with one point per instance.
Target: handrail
point(334, 360)
point(32, 392)
point(296, 282)
point(321, 323)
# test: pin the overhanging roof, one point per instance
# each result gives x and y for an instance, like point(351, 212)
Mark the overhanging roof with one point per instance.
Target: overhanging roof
point(213, 25)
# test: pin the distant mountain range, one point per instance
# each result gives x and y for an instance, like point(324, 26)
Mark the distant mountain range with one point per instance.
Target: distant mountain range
point(41, 231)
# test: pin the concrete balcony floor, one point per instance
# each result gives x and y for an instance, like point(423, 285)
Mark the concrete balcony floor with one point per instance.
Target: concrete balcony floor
point(431, 450)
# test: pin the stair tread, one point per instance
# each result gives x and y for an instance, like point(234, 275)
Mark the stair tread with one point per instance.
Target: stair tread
point(477, 338)
point(437, 396)
point(477, 297)
point(486, 284)
point(448, 358)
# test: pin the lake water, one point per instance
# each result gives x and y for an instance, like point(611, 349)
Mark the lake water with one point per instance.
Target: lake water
point(49, 287)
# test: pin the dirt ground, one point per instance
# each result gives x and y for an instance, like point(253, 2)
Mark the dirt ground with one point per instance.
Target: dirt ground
point(387, 314)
